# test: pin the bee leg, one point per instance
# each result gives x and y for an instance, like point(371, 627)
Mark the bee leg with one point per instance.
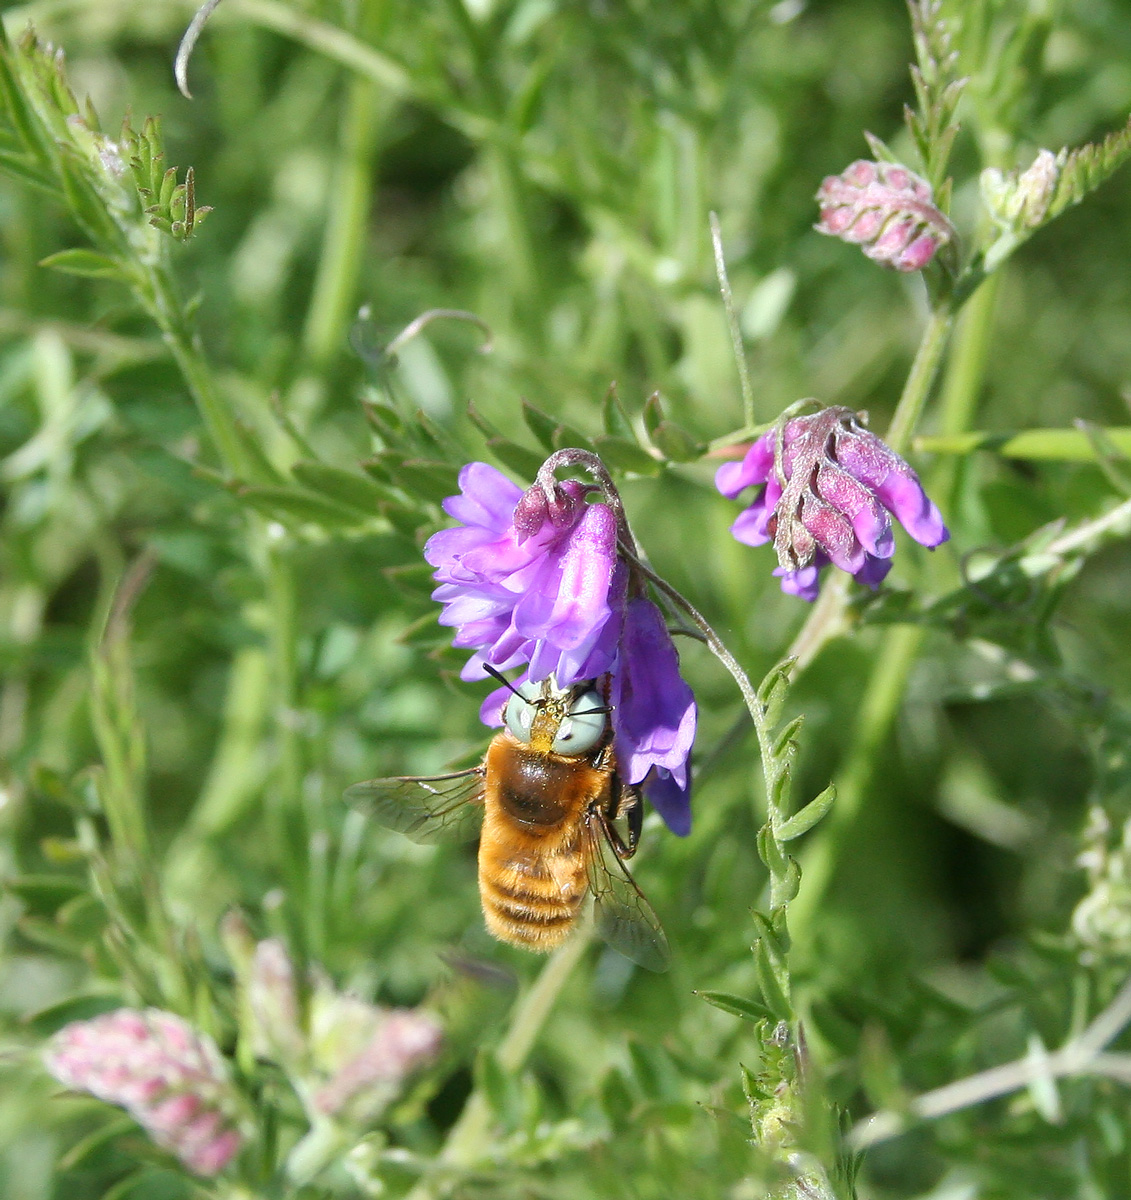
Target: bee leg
point(626, 803)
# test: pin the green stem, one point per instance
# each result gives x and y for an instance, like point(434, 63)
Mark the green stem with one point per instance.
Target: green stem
point(159, 297)
point(880, 703)
point(343, 247)
point(468, 1137)
point(919, 380)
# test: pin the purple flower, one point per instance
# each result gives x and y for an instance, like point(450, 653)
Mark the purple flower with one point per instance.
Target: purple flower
point(526, 586)
point(828, 499)
point(541, 580)
point(171, 1079)
point(887, 210)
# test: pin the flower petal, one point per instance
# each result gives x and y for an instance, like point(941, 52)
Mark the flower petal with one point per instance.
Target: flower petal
point(755, 467)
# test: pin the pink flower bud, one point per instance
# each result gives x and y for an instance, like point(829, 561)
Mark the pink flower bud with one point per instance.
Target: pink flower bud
point(171, 1079)
point(397, 1042)
point(885, 209)
point(272, 998)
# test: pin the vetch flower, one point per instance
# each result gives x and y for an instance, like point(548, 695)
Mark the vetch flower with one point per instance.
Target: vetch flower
point(830, 488)
point(168, 1076)
point(548, 580)
point(525, 579)
point(885, 209)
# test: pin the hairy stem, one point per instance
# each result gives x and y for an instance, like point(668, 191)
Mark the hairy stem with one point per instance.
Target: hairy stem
point(1081, 1055)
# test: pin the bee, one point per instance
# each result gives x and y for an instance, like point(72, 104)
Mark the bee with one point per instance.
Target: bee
point(548, 797)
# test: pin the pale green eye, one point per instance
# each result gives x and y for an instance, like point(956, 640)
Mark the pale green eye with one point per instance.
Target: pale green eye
point(520, 712)
point(583, 726)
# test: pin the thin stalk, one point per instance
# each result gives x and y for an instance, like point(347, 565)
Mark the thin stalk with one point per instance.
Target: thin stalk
point(469, 1135)
point(882, 697)
point(749, 415)
point(342, 249)
point(1082, 1055)
point(919, 380)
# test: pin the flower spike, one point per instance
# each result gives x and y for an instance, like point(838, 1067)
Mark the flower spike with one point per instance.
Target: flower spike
point(169, 1077)
point(887, 210)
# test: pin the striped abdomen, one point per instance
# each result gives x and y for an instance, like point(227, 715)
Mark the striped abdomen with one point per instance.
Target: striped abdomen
point(534, 848)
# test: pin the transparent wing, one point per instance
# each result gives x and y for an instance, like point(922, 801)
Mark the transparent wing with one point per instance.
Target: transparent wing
point(428, 808)
point(624, 918)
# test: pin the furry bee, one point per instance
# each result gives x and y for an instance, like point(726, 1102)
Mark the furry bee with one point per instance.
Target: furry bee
point(548, 794)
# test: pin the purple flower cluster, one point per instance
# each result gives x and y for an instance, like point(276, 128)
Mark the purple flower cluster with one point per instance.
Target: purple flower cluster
point(829, 490)
point(538, 579)
point(885, 209)
point(171, 1079)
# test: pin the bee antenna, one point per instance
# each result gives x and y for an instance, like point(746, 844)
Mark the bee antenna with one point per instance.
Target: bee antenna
point(503, 680)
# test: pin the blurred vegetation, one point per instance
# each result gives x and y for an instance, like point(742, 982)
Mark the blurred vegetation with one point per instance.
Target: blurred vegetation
point(222, 635)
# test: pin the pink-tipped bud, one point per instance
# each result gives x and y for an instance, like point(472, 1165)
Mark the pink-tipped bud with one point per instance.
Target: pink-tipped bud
point(559, 507)
point(272, 997)
point(887, 210)
point(397, 1043)
point(171, 1079)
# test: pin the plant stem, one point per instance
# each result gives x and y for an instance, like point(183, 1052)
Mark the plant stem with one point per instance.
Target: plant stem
point(749, 416)
point(343, 245)
point(880, 703)
point(467, 1139)
point(1079, 1056)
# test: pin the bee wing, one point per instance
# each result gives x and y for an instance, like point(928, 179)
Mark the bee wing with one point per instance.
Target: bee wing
point(426, 808)
point(625, 920)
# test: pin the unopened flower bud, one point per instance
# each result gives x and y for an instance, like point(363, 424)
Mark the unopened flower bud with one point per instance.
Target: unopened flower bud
point(169, 1077)
point(887, 210)
point(272, 997)
point(1020, 201)
point(403, 1041)
point(560, 507)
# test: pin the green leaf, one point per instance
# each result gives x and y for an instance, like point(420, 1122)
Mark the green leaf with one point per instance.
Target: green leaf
point(623, 455)
point(542, 426)
point(45, 893)
point(774, 688)
point(292, 504)
point(88, 263)
point(524, 463)
point(421, 478)
point(45, 932)
point(653, 414)
point(24, 168)
point(785, 741)
point(805, 818)
point(49, 1020)
point(773, 981)
point(566, 437)
point(675, 443)
point(93, 1142)
point(615, 419)
point(343, 487)
point(748, 1010)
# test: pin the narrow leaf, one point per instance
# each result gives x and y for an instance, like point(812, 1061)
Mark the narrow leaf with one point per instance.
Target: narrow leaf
point(805, 818)
point(88, 263)
point(737, 1006)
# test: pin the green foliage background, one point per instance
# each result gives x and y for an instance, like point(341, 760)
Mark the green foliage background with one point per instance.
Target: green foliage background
point(550, 165)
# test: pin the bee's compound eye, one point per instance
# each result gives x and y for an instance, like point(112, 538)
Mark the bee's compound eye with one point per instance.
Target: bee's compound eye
point(520, 717)
point(583, 726)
